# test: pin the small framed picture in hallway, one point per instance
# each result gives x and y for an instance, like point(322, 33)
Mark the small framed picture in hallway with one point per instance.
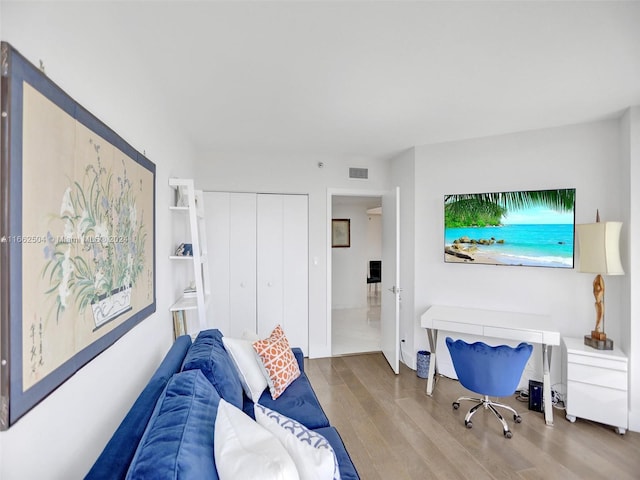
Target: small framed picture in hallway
point(341, 233)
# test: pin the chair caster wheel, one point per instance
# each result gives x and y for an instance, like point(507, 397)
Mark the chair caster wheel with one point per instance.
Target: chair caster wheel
point(455, 405)
point(508, 434)
point(517, 418)
point(468, 424)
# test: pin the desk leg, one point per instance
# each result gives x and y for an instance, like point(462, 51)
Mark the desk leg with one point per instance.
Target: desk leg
point(546, 384)
point(432, 334)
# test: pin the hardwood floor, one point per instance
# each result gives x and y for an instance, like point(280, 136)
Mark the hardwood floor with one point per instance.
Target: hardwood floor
point(393, 430)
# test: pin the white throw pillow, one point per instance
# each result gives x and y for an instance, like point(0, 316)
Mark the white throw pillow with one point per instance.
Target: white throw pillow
point(314, 457)
point(251, 336)
point(244, 449)
point(248, 366)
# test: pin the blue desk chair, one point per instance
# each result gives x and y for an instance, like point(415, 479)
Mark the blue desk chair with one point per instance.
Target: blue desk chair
point(488, 371)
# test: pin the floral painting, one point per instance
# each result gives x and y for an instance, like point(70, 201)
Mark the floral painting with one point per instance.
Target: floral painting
point(77, 244)
point(99, 255)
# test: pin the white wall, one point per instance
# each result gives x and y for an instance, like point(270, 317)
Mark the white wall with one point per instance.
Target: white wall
point(62, 436)
point(297, 173)
point(373, 243)
point(586, 157)
point(630, 146)
point(350, 266)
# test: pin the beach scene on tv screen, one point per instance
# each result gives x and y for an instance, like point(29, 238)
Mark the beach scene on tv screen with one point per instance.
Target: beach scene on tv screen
point(526, 228)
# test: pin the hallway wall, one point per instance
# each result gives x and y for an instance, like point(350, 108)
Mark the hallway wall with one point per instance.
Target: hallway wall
point(350, 266)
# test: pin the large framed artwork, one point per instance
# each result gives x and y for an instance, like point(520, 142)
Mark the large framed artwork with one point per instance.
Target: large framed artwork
point(523, 228)
point(77, 236)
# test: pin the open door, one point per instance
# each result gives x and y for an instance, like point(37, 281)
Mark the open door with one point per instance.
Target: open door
point(390, 314)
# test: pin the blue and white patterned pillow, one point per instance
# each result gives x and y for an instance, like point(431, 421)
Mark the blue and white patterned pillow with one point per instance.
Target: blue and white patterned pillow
point(312, 453)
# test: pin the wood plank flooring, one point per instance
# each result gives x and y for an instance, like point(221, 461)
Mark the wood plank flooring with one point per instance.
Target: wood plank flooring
point(393, 430)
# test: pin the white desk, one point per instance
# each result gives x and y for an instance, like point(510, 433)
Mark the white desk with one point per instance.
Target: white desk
point(521, 327)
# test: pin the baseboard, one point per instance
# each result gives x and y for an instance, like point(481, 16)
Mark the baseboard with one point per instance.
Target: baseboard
point(634, 420)
point(316, 351)
point(408, 358)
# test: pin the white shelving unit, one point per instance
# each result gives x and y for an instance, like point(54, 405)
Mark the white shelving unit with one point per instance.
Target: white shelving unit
point(193, 208)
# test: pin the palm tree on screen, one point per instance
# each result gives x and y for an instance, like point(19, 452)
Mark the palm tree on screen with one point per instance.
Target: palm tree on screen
point(488, 208)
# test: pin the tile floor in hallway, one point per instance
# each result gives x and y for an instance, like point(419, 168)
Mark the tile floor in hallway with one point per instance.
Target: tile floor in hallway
point(357, 330)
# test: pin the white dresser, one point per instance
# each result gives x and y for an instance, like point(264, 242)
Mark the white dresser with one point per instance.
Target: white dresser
point(597, 384)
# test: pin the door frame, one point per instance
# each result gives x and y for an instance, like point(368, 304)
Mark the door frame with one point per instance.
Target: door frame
point(338, 192)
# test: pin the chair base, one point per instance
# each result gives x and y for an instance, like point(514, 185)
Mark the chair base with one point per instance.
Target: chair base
point(488, 405)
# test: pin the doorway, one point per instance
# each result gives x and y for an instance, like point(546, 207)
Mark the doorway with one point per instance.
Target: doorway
point(356, 303)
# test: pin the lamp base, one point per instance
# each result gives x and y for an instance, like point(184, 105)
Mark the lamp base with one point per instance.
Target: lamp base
point(605, 344)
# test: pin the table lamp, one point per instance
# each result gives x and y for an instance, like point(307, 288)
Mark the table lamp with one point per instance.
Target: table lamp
point(599, 245)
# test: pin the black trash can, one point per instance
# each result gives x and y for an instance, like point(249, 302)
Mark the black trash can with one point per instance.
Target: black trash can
point(423, 360)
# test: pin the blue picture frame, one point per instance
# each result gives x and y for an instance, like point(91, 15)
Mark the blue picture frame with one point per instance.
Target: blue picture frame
point(73, 272)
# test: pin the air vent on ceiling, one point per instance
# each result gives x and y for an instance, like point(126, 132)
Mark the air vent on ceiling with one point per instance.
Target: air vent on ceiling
point(359, 173)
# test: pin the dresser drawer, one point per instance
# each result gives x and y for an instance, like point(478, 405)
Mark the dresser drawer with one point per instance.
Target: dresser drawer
point(510, 334)
point(458, 327)
point(608, 363)
point(596, 375)
point(600, 404)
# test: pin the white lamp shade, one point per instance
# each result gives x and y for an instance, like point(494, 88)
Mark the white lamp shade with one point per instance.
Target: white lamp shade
point(599, 245)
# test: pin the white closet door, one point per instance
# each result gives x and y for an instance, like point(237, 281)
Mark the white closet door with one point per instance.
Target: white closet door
point(242, 264)
point(283, 267)
point(270, 253)
point(218, 235)
point(296, 271)
point(259, 264)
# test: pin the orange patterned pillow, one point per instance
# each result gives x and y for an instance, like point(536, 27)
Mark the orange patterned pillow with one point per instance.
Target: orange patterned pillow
point(278, 360)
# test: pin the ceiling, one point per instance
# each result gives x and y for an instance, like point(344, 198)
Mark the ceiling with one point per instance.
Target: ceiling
point(372, 78)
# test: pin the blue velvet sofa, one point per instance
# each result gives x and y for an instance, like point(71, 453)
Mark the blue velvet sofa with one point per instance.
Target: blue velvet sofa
point(169, 430)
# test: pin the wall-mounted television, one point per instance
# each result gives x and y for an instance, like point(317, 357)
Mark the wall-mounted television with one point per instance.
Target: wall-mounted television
point(526, 228)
